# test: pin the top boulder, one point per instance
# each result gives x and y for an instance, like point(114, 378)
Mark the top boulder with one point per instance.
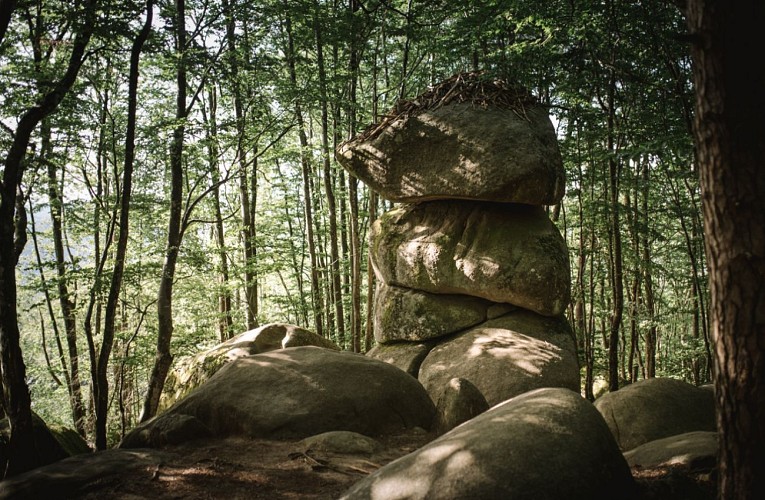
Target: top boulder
point(467, 138)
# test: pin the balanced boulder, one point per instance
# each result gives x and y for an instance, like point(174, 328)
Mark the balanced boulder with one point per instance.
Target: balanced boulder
point(499, 252)
point(468, 138)
point(544, 445)
point(505, 357)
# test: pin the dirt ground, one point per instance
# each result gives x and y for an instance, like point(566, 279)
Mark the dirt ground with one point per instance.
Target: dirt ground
point(256, 469)
point(241, 468)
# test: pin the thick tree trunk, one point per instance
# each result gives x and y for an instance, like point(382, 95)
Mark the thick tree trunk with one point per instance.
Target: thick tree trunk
point(17, 403)
point(165, 326)
point(6, 12)
point(731, 151)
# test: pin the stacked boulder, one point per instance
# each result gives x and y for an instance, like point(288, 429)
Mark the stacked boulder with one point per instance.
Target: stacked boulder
point(473, 277)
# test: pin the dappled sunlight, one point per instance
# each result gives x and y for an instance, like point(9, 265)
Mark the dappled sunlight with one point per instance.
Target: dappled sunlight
point(435, 461)
point(436, 453)
point(527, 353)
point(396, 487)
point(478, 267)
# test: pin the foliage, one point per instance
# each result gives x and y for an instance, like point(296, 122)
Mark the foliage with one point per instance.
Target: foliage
point(243, 130)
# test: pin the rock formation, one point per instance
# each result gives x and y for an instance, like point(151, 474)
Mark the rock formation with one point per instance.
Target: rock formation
point(546, 444)
point(293, 393)
point(656, 408)
point(473, 277)
point(189, 373)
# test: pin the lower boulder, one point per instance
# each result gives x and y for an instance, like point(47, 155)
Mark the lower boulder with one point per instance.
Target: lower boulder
point(53, 443)
point(505, 357)
point(407, 356)
point(190, 372)
point(656, 408)
point(165, 430)
point(460, 402)
point(302, 391)
point(692, 450)
point(546, 444)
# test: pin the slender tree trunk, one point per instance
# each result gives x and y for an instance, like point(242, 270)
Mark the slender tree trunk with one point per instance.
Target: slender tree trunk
point(617, 277)
point(165, 326)
point(729, 138)
point(49, 304)
point(407, 47)
point(225, 321)
point(371, 286)
point(650, 337)
point(297, 264)
point(336, 288)
point(65, 299)
point(112, 302)
point(245, 190)
point(316, 293)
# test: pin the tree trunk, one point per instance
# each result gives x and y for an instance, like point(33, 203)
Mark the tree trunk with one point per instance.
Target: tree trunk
point(336, 288)
point(164, 358)
point(17, 403)
point(112, 302)
point(650, 337)
point(617, 277)
point(729, 137)
point(245, 193)
point(316, 293)
point(65, 301)
point(225, 321)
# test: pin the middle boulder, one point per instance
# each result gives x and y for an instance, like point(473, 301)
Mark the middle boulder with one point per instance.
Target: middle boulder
point(497, 251)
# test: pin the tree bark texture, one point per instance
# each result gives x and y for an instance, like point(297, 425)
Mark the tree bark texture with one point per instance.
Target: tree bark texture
point(22, 453)
point(730, 138)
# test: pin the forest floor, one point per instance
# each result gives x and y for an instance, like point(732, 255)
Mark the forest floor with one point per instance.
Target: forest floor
point(242, 468)
point(256, 469)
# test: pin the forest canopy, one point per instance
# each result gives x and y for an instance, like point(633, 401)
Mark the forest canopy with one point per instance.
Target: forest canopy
point(179, 185)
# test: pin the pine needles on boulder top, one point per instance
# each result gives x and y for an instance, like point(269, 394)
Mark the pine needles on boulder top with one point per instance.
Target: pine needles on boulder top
point(475, 87)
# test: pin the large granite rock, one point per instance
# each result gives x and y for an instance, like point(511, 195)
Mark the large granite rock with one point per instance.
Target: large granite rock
point(412, 315)
point(53, 443)
point(505, 357)
point(165, 430)
point(462, 151)
point(407, 356)
point(499, 252)
point(692, 450)
point(192, 371)
point(303, 391)
point(459, 402)
point(71, 477)
point(547, 444)
point(656, 408)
